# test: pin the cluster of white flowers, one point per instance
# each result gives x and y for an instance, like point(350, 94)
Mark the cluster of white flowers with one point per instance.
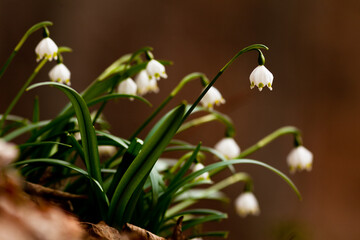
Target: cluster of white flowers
point(145, 81)
point(48, 49)
point(299, 159)
point(8, 153)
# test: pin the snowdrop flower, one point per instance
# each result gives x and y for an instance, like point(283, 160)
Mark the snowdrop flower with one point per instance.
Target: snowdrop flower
point(228, 147)
point(128, 86)
point(60, 73)
point(246, 204)
point(213, 96)
point(144, 84)
point(107, 150)
point(261, 77)
point(8, 153)
point(300, 158)
point(46, 48)
point(202, 177)
point(155, 69)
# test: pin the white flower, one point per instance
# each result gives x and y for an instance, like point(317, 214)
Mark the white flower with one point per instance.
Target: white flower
point(246, 204)
point(144, 84)
point(8, 153)
point(261, 77)
point(300, 158)
point(213, 96)
point(202, 177)
point(46, 48)
point(60, 73)
point(228, 147)
point(128, 86)
point(156, 70)
point(105, 150)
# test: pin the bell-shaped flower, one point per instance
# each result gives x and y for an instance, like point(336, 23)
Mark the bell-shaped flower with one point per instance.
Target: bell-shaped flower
point(228, 147)
point(46, 48)
point(261, 77)
point(60, 73)
point(246, 204)
point(127, 86)
point(144, 84)
point(299, 158)
point(107, 150)
point(8, 153)
point(155, 70)
point(203, 177)
point(211, 98)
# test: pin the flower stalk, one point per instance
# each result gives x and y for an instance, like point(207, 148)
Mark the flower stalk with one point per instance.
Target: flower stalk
point(271, 137)
point(20, 93)
point(21, 43)
point(244, 50)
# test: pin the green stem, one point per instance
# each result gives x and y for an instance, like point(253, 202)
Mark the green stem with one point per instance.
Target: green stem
point(173, 93)
point(20, 93)
point(271, 137)
point(244, 50)
point(21, 42)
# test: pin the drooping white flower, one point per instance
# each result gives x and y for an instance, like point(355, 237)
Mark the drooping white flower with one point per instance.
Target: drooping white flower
point(60, 73)
point(246, 204)
point(128, 86)
point(204, 176)
point(213, 96)
point(144, 84)
point(8, 153)
point(300, 158)
point(261, 77)
point(228, 147)
point(46, 48)
point(107, 150)
point(155, 70)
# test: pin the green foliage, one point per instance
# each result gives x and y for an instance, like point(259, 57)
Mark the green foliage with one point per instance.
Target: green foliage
point(128, 186)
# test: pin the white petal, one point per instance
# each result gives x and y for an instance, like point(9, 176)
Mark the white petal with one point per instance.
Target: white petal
point(46, 48)
point(212, 97)
point(204, 176)
point(246, 204)
point(155, 70)
point(8, 153)
point(261, 77)
point(127, 86)
point(228, 147)
point(60, 73)
point(299, 158)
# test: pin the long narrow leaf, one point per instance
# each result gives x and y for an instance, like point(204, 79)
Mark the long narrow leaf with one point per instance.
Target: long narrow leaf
point(153, 147)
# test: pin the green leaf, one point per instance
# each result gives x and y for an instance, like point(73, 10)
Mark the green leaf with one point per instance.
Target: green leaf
point(114, 96)
point(213, 166)
point(198, 211)
point(140, 168)
point(64, 164)
point(188, 147)
point(222, 234)
point(88, 136)
point(24, 129)
point(158, 213)
point(43, 143)
point(120, 141)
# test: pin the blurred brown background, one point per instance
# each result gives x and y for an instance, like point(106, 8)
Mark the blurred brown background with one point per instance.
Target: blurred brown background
point(314, 56)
